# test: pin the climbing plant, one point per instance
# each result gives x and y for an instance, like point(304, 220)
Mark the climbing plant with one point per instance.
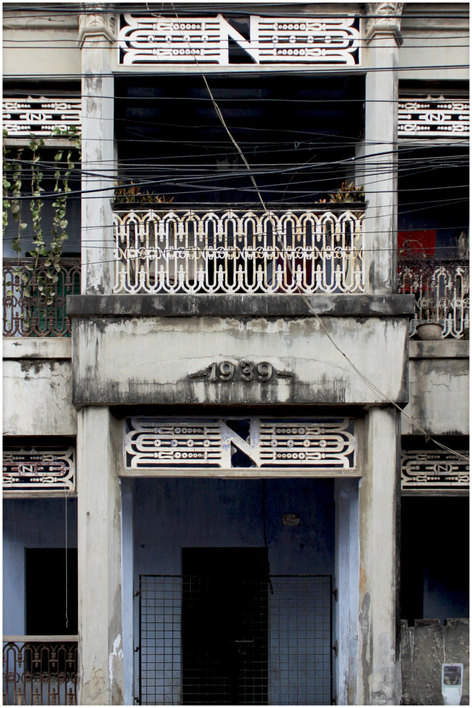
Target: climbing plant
point(45, 253)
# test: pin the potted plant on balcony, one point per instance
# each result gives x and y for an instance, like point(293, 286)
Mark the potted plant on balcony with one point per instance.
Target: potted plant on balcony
point(131, 195)
point(430, 326)
point(347, 194)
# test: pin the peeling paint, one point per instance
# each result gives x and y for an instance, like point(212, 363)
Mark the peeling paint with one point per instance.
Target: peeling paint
point(366, 647)
point(116, 653)
point(165, 351)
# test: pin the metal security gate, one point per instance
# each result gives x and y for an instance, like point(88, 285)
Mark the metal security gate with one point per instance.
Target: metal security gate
point(262, 642)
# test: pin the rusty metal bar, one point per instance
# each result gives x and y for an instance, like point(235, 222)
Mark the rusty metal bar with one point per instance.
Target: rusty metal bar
point(26, 310)
point(40, 670)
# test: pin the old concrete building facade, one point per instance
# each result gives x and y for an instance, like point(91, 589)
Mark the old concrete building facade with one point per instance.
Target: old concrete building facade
point(236, 425)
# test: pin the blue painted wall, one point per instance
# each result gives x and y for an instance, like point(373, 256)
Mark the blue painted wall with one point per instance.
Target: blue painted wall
point(30, 523)
point(174, 514)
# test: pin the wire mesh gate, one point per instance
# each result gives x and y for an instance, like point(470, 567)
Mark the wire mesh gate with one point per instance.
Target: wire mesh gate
point(205, 641)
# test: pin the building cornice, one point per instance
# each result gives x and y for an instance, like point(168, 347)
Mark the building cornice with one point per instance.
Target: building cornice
point(384, 18)
point(101, 25)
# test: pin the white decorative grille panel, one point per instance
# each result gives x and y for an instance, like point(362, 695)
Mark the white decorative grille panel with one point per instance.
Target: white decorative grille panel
point(295, 39)
point(425, 469)
point(239, 251)
point(239, 443)
point(435, 117)
point(145, 39)
point(40, 116)
point(39, 470)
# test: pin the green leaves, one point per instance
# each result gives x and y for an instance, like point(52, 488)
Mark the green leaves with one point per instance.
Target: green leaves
point(46, 257)
point(12, 181)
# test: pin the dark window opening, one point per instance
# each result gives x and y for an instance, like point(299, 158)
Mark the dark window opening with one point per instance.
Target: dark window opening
point(434, 558)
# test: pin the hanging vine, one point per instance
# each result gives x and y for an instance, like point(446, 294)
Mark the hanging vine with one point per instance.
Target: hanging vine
point(12, 182)
point(45, 257)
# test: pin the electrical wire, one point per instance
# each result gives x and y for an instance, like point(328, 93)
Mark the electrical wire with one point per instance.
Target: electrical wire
point(318, 70)
point(251, 172)
point(365, 379)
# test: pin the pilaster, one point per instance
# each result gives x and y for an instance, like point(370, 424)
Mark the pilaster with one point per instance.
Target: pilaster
point(379, 681)
point(383, 38)
point(96, 36)
point(99, 561)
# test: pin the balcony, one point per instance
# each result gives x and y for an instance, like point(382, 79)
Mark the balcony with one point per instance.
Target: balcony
point(239, 251)
point(27, 310)
point(441, 290)
point(40, 670)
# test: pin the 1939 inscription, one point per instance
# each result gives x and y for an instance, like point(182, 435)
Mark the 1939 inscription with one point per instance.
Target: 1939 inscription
point(244, 370)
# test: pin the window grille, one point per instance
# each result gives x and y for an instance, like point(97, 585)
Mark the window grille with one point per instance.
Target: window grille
point(278, 652)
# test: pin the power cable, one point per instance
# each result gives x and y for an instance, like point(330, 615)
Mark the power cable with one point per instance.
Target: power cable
point(367, 381)
point(318, 70)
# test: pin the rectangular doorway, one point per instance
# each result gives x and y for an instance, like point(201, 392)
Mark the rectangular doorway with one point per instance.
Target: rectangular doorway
point(228, 633)
point(224, 626)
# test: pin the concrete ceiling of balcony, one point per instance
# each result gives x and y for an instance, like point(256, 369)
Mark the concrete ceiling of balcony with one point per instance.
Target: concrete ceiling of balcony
point(168, 132)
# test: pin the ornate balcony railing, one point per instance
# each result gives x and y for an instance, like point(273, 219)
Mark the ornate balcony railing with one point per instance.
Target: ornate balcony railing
point(238, 251)
point(441, 290)
point(26, 311)
point(40, 670)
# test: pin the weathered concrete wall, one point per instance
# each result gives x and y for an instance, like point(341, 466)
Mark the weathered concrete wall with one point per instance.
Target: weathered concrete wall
point(421, 34)
point(167, 360)
point(424, 648)
point(25, 49)
point(37, 397)
point(439, 387)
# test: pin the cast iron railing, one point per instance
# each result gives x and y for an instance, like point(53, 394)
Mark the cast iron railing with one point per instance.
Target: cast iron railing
point(239, 251)
point(40, 670)
point(26, 311)
point(441, 290)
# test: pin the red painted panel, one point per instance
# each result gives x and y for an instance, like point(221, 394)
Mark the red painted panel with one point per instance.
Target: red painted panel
point(414, 243)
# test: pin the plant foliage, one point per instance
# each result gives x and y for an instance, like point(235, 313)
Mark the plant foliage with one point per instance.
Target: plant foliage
point(46, 254)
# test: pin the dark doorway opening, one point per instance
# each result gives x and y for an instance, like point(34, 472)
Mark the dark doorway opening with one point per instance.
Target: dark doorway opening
point(51, 591)
point(225, 626)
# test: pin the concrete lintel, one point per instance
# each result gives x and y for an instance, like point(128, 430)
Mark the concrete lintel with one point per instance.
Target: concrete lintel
point(37, 348)
point(249, 473)
point(53, 141)
point(239, 305)
point(441, 349)
point(38, 494)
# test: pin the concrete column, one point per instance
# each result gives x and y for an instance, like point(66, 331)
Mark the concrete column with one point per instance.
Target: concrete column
point(347, 587)
point(97, 34)
point(379, 680)
point(380, 149)
point(99, 559)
